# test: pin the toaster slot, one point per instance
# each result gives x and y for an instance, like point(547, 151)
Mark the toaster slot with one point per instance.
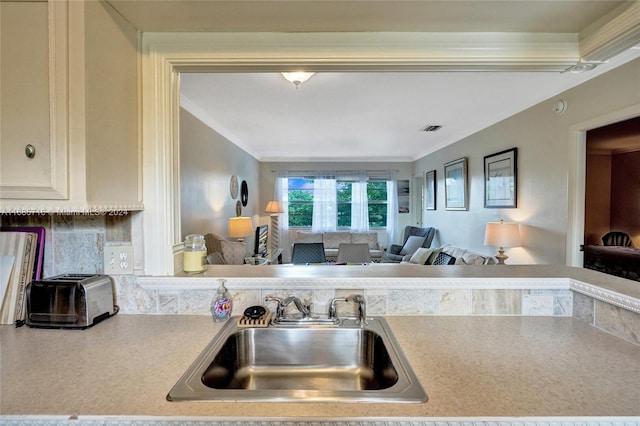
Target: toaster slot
point(53, 318)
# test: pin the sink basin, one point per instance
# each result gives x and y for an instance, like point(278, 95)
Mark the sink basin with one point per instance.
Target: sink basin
point(346, 363)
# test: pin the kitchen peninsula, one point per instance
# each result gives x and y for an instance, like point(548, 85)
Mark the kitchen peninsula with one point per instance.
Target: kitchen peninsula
point(476, 367)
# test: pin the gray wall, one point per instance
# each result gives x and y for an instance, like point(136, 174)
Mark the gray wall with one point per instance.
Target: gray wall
point(543, 140)
point(207, 162)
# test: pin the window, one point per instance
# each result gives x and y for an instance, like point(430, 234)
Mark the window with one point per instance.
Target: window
point(301, 202)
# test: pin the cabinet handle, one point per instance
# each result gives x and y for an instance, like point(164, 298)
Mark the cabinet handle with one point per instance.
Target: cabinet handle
point(30, 151)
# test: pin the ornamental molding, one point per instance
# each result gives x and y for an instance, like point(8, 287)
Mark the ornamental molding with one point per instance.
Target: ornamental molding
point(611, 297)
point(65, 208)
point(292, 421)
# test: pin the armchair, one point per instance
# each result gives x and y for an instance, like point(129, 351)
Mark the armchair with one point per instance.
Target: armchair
point(423, 238)
point(224, 252)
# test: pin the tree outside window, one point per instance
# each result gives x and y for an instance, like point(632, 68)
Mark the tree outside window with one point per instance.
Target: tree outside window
point(300, 193)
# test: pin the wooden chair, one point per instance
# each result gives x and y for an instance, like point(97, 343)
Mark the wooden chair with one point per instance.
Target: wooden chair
point(616, 238)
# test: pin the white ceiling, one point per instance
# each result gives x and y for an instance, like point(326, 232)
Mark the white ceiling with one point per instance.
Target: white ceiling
point(367, 116)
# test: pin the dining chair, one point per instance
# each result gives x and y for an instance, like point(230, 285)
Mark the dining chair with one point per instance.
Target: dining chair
point(353, 253)
point(304, 253)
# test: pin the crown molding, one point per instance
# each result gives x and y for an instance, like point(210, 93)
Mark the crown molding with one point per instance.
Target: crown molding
point(613, 37)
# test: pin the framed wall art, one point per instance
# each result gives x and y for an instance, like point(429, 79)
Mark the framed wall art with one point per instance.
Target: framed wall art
point(430, 190)
point(403, 196)
point(501, 179)
point(455, 185)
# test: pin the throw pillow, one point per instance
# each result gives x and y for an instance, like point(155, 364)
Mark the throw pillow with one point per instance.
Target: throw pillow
point(434, 254)
point(412, 244)
point(216, 258)
point(421, 256)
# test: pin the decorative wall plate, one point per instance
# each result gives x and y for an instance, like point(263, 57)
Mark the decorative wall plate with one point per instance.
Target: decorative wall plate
point(244, 193)
point(238, 208)
point(233, 187)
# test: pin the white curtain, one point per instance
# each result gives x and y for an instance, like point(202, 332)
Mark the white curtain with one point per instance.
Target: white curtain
point(325, 204)
point(392, 210)
point(282, 194)
point(359, 204)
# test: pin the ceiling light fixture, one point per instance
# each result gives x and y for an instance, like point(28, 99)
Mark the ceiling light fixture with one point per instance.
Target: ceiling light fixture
point(297, 78)
point(582, 67)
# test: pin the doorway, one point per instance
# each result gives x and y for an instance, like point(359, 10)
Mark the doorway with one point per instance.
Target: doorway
point(612, 183)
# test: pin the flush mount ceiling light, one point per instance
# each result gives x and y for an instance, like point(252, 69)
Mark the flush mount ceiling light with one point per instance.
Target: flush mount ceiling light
point(582, 67)
point(297, 78)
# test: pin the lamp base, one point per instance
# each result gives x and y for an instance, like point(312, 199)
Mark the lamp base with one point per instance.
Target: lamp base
point(501, 256)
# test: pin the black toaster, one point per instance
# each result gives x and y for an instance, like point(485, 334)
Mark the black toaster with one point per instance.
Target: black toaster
point(69, 301)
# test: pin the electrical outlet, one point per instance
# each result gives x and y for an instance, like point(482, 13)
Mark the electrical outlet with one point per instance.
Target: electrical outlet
point(118, 260)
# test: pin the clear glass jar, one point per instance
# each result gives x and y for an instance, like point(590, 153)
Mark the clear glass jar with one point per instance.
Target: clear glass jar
point(194, 260)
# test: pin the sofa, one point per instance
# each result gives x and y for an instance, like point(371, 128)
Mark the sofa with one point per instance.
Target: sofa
point(332, 241)
point(463, 256)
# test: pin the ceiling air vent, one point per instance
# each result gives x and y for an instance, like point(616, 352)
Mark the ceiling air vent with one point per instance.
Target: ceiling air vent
point(430, 128)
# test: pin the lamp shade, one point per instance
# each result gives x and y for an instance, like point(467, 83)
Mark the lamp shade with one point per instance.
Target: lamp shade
point(502, 234)
point(274, 206)
point(240, 227)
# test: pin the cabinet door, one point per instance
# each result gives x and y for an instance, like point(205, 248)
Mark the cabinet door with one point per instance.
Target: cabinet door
point(33, 100)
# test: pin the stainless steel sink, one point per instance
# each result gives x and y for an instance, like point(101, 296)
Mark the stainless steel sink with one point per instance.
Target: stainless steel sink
point(346, 363)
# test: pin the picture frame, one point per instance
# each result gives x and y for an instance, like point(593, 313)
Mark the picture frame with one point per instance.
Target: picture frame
point(455, 185)
point(404, 195)
point(430, 190)
point(501, 179)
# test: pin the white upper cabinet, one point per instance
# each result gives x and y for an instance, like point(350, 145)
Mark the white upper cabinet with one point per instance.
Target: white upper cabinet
point(33, 85)
point(69, 111)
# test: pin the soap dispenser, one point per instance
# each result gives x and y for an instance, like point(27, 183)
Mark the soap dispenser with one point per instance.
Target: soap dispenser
point(221, 304)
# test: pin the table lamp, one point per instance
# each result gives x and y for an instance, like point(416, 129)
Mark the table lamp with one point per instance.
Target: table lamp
point(502, 234)
point(240, 227)
point(275, 208)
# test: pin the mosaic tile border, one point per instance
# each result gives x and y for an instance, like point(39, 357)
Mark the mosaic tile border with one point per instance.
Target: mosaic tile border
point(492, 283)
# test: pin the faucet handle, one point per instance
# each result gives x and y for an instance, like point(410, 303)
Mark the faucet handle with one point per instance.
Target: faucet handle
point(332, 306)
point(279, 307)
point(362, 309)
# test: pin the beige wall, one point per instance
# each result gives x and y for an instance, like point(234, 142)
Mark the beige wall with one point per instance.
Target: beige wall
point(543, 140)
point(207, 162)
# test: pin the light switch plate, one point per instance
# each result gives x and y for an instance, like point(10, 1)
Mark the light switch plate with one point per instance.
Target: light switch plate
point(118, 260)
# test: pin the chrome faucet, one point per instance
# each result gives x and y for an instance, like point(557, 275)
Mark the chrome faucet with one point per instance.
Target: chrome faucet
point(305, 309)
point(362, 309)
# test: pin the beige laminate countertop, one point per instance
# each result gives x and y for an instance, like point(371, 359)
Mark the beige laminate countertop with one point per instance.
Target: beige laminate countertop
point(469, 367)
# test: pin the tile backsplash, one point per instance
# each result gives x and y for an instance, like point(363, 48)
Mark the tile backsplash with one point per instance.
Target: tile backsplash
point(75, 243)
